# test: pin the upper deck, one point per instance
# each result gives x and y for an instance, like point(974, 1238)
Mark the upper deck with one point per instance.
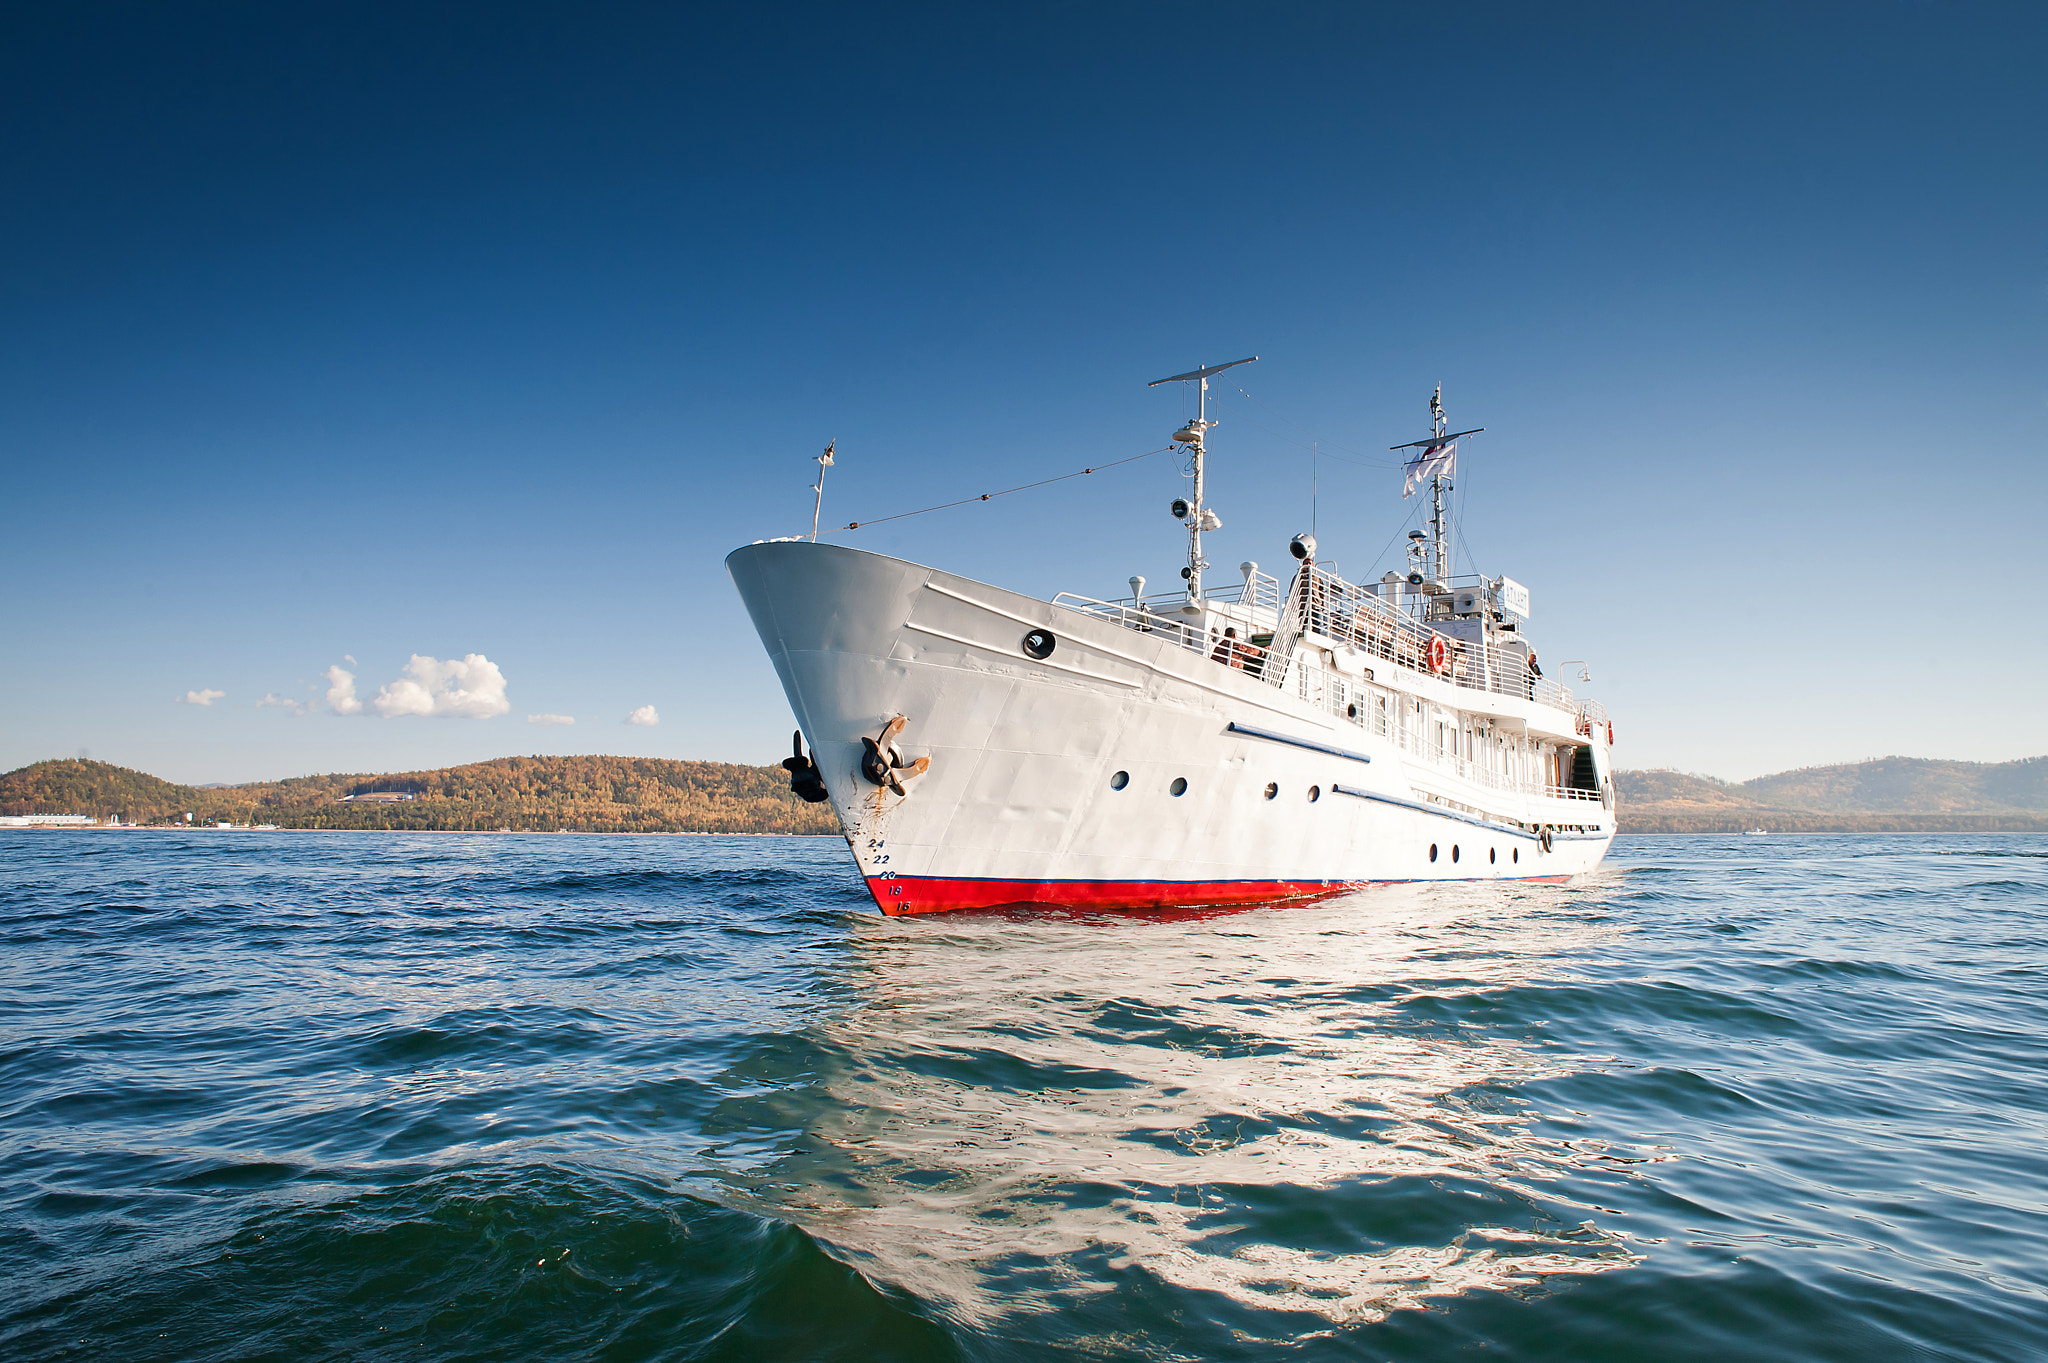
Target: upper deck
point(1323, 613)
point(1350, 651)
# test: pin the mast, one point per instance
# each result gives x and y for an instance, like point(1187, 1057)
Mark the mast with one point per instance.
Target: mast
point(1436, 457)
point(1439, 541)
point(1197, 516)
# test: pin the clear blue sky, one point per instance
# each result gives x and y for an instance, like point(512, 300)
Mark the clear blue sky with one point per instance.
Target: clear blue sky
point(362, 331)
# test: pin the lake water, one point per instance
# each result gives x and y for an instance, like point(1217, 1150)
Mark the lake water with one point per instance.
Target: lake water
point(438, 1096)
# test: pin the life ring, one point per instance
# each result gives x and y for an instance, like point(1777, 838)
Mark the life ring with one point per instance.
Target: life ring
point(1610, 733)
point(1439, 655)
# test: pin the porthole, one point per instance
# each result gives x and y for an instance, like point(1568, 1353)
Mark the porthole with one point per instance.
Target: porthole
point(1120, 780)
point(1179, 786)
point(1492, 855)
point(1039, 643)
point(1454, 851)
point(1432, 851)
point(1272, 789)
point(1315, 793)
point(1517, 854)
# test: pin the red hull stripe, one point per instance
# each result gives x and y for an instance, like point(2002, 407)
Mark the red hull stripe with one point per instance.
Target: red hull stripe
point(923, 894)
point(931, 894)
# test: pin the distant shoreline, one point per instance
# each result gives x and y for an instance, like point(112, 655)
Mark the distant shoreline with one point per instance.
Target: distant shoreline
point(138, 827)
point(527, 795)
point(463, 832)
point(614, 796)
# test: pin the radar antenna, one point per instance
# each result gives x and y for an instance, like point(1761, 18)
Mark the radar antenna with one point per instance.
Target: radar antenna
point(1197, 516)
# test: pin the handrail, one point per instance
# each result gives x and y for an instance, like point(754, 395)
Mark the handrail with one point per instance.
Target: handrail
point(1364, 621)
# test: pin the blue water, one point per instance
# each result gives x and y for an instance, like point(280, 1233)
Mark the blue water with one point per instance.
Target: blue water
point(376, 1096)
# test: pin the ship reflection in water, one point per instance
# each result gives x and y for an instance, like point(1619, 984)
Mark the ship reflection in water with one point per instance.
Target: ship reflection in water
point(1316, 1108)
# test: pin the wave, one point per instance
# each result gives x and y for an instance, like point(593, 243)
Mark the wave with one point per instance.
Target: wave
point(588, 1098)
point(522, 1262)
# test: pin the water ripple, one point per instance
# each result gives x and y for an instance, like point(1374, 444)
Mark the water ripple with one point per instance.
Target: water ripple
point(479, 1097)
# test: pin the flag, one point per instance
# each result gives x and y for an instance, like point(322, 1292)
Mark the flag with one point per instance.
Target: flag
point(826, 457)
point(1434, 461)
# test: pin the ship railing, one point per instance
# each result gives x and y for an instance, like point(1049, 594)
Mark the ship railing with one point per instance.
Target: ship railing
point(1350, 617)
point(1570, 793)
point(1161, 617)
point(1260, 592)
point(1378, 710)
point(1511, 767)
point(1171, 627)
point(1370, 620)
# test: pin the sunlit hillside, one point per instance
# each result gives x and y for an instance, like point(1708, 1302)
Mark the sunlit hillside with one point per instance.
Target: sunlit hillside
point(1889, 793)
point(542, 794)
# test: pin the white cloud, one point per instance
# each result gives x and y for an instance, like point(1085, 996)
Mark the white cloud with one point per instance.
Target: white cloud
point(644, 715)
point(349, 658)
point(341, 692)
point(200, 697)
point(551, 719)
point(469, 688)
point(297, 707)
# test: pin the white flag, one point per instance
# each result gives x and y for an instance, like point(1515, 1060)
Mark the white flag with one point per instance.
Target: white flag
point(1434, 460)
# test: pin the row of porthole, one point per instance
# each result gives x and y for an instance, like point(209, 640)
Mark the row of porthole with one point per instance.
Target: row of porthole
point(1492, 854)
point(1179, 786)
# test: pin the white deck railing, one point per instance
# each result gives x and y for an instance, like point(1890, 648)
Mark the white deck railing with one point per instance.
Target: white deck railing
point(1350, 616)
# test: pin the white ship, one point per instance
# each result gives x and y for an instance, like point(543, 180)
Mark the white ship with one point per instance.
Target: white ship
point(1245, 745)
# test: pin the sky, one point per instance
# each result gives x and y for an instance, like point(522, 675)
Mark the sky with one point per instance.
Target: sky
point(382, 386)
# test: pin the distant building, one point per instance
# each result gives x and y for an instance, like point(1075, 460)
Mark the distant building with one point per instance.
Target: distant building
point(377, 797)
point(32, 820)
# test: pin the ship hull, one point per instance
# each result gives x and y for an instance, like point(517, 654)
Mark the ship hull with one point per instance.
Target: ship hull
point(1119, 771)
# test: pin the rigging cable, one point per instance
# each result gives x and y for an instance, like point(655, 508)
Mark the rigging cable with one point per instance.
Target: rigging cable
point(1390, 543)
point(944, 506)
point(1458, 527)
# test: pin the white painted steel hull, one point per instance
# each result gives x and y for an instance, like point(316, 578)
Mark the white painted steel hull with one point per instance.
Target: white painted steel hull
point(1018, 806)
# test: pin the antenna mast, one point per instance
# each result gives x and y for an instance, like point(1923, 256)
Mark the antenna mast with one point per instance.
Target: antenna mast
point(1436, 459)
point(1197, 516)
point(1439, 542)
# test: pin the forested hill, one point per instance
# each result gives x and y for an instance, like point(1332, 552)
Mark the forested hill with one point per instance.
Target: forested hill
point(1891, 793)
point(539, 794)
point(1911, 785)
point(656, 795)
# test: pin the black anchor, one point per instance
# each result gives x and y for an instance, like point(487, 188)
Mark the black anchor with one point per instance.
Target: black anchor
point(804, 776)
point(883, 765)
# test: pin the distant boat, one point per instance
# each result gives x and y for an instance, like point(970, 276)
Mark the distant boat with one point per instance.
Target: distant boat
point(1248, 745)
point(1757, 833)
